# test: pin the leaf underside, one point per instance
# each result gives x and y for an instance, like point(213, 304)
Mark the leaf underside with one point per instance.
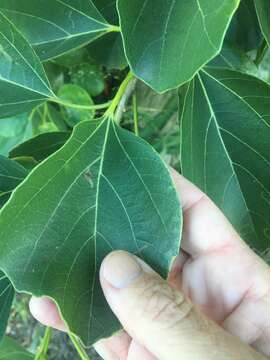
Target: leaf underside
point(105, 189)
point(225, 113)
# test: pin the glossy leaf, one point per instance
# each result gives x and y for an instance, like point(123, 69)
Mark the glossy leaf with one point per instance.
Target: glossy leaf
point(74, 94)
point(41, 146)
point(23, 83)
point(13, 131)
point(263, 11)
point(160, 37)
point(6, 299)
point(55, 27)
point(225, 128)
point(11, 350)
point(75, 208)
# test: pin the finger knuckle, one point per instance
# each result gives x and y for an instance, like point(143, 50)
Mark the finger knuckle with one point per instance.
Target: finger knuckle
point(163, 304)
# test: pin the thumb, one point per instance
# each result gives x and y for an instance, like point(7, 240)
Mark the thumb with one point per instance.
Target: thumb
point(160, 318)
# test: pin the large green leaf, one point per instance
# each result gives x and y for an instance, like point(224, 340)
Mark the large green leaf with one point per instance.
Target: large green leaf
point(6, 299)
point(11, 350)
point(166, 42)
point(55, 27)
point(105, 189)
point(23, 83)
point(263, 11)
point(225, 129)
point(11, 175)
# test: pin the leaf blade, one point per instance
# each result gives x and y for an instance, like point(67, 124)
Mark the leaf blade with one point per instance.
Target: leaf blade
point(161, 57)
point(228, 162)
point(60, 26)
point(78, 182)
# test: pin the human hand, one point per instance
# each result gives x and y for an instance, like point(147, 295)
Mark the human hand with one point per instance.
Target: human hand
point(215, 270)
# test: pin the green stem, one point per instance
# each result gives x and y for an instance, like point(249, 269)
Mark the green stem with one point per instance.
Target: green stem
point(114, 28)
point(111, 110)
point(78, 347)
point(43, 348)
point(80, 107)
point(135, 114)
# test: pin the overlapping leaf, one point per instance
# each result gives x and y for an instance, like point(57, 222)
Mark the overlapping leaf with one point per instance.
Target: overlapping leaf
point(263, 11)
point(23, 83)
point(105, 189)
point(166, 42)
point(244, 32)
point(41, 146)
point(11, 350)
point(55, 27)
point(225, 128)
point(6, 298)
point(11, 175)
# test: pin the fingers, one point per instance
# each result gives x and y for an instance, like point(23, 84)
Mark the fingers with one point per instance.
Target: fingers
point(159, 318)
point(114, 348)
point(45, 311)
point(206, 229)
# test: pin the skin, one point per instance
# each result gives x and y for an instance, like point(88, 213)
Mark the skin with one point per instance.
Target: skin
point(216, 301)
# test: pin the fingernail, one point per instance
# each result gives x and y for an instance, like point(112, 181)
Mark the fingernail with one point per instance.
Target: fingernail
point(121, 269)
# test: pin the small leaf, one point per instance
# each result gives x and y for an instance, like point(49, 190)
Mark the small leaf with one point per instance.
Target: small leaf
point(74, 94)
point(89, 77)
point(11, 175)
point(263, 11)
point(55, 27)
point(105, 189)
point(23, 83)
point(160, 37)
point(11, 350)
point(225, 133)
point(13, 131)
point(41, 146)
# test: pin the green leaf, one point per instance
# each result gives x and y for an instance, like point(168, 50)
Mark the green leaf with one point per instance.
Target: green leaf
point(56, 27)
point(13, 131)
point(74, 94)
point(105, 189)
point(11, 175)
point(225, 130)
point(89, 77)
point(263, 11)
point(160, 37)
point(41, 146)
point(6, 299)
point(244, 31)
point(109, 50)
point(23, 82)
point(11, 350)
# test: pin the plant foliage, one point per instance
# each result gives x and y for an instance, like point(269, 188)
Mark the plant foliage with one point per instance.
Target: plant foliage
point(91, 97)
